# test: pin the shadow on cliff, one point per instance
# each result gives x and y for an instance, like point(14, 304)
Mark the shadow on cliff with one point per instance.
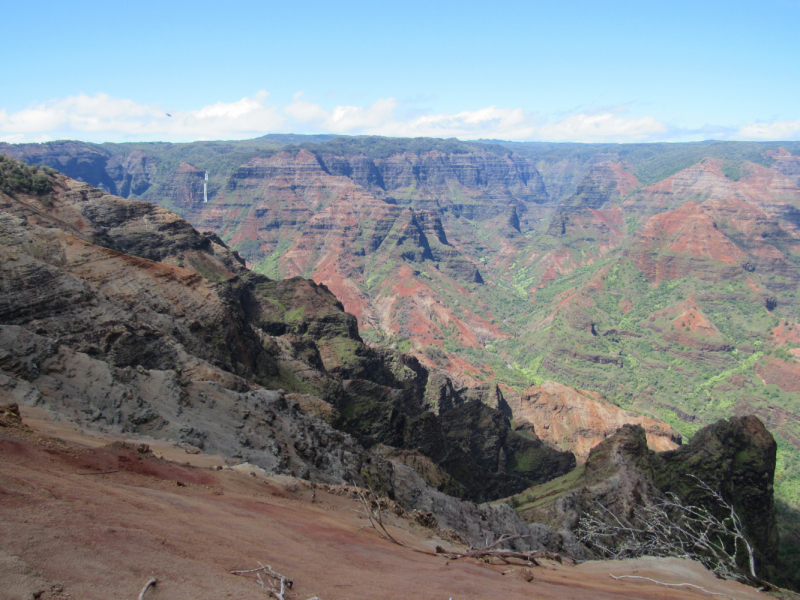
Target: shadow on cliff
point(788, 546)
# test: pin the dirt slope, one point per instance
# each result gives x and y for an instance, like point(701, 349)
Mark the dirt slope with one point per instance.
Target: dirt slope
point(70, 531)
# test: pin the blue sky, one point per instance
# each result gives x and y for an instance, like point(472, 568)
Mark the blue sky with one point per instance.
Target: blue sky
point(568, 71)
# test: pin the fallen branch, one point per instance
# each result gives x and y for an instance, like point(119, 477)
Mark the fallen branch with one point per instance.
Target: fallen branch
point(528, 557)
point(270, 587)
point(672, 584)
point(375, 516)
point(147, 585)
point(99, 473)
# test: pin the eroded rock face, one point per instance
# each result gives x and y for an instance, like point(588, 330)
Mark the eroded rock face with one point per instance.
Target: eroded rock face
point(685, 242)
point(578, 420)
point(119, 315)
point(585, 212)
point(81, 161)
point(735, 457)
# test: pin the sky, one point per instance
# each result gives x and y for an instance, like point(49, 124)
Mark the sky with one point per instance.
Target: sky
point(576, 71)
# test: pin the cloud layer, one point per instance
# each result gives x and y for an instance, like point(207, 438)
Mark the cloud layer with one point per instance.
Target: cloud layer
point(104, 118)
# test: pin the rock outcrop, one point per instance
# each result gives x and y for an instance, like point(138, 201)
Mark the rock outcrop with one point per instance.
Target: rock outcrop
point(734, 457)
point(119, 315)
point(578, 420)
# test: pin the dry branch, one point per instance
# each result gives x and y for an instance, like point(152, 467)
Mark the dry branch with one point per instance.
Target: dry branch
point(151, 581)
point(270, 587)
point(372, 509)
point(672, 584)
point(529, 558)
point(670, 527)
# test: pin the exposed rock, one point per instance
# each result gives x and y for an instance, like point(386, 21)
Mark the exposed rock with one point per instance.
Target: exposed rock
point(9, 415)
point(578, 420)
point(122, 316)
point(605, 182)
point(788, 165)
point(734, 457)
point(737, 458)
point(685, 242)
point(479, 523)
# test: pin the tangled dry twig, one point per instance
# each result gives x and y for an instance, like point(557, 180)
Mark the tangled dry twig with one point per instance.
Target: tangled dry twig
point(671, 527)
point(277, 591)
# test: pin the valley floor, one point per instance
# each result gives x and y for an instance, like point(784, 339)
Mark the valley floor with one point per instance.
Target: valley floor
point(83, 517)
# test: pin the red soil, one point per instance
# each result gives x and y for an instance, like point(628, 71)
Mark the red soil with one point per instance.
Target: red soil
point(626, 181)
point(784, 374)
point(686, 231)
point(68, 534)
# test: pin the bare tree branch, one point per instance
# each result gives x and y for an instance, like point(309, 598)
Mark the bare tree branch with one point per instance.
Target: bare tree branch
point(151, 581)
point(269, 587)
point(671, 527)
point(672, 584)
point(372, 509)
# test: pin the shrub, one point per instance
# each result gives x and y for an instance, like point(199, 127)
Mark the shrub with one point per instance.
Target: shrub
point(16, 177)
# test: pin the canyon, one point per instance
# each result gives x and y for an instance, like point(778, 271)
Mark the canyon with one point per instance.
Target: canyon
point(535, 298)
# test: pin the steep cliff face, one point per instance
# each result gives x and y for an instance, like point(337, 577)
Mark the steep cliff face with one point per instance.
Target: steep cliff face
point(787, 165)
point(685, 242)
point(448, 182)
point(766, 189)
point(605, 183)
point(578, 420)
point(289, 216)
point(119, 314)
point(81, 161)
point(735, 458)
point(133, 174)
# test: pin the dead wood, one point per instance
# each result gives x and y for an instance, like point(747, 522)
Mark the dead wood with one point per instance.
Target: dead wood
point(373, 512)
point(277, 591)
point(152, 581)
point(617, 577)
point(529, 558)
point(671, 527)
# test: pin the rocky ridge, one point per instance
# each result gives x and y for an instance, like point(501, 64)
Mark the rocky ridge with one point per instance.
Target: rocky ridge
point(182, 342)
point(734, 457)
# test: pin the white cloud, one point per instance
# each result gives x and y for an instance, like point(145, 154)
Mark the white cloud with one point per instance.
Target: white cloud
point(489, 122)
point(606, 126)
point(342, 119)
point(104, 118)
point(778, 130)
point(306, 112)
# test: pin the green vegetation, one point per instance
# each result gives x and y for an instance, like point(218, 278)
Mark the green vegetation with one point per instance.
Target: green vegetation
point(540, 494)
point(250, 250)
point(16, 177)
point(653, 162)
